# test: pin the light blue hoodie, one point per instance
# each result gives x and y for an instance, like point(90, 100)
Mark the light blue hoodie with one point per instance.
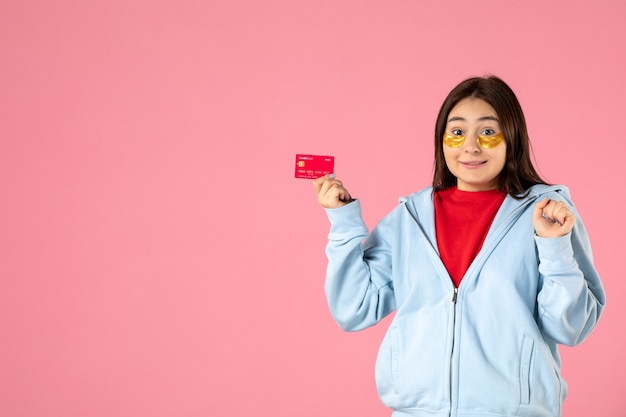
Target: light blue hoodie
point(487, 349)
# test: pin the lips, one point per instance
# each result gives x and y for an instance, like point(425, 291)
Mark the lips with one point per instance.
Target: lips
point(473, 164)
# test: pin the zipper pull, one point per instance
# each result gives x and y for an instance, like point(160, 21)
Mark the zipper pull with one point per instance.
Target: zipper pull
point(456, 291)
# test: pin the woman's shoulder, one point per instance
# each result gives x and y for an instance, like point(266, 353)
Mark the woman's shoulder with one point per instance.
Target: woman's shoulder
point(425, 195)
point(418, 202)
point(547, 190)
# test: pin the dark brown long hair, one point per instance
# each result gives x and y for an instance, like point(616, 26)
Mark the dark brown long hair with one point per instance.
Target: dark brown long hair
point(518, 174)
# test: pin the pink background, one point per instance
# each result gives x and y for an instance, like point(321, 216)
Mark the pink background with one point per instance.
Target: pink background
point(157, 257)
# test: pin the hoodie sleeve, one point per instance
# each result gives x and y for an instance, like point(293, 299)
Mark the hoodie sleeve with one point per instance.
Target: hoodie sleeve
point(358, 286)
point(572, 297)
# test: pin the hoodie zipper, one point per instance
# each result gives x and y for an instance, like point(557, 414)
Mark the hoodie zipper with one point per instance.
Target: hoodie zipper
point(454, 297)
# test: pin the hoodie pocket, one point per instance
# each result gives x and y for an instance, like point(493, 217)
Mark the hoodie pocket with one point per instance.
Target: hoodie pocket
point(525, 370)
point(394, 365)
point(388, 365)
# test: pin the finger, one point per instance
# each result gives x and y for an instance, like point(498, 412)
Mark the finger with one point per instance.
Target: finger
point(553, 208)
point(564, 214)
point(318, 182)
point(329, 184)
point(559, 212)
point(344, 195)
point(547, 210)
point(339, 192)
point(331, 194)
point(323, 185)
point(540, 207)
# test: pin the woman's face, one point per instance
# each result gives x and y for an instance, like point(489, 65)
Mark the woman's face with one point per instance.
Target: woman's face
point(473, 145)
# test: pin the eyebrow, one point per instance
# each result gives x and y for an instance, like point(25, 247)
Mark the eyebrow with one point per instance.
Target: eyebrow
point(480, 119)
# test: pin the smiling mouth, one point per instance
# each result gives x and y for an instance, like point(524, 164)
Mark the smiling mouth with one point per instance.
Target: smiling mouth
point(474, 163)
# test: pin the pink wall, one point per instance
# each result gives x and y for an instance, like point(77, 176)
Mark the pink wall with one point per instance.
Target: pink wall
point(157, 257)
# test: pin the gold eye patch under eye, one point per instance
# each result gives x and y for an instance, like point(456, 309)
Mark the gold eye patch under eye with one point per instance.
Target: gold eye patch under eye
point(453, 141)
point(484, 141)
point(492, 141)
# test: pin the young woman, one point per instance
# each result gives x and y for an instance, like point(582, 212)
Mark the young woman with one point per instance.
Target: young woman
point(488, 270)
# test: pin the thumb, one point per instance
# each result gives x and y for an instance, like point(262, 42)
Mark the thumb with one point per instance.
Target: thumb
point(540, 206)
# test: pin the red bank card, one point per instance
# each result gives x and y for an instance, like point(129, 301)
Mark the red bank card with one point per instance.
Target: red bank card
point(314, 166)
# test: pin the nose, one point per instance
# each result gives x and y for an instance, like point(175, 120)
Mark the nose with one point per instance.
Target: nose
point(471, 144)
